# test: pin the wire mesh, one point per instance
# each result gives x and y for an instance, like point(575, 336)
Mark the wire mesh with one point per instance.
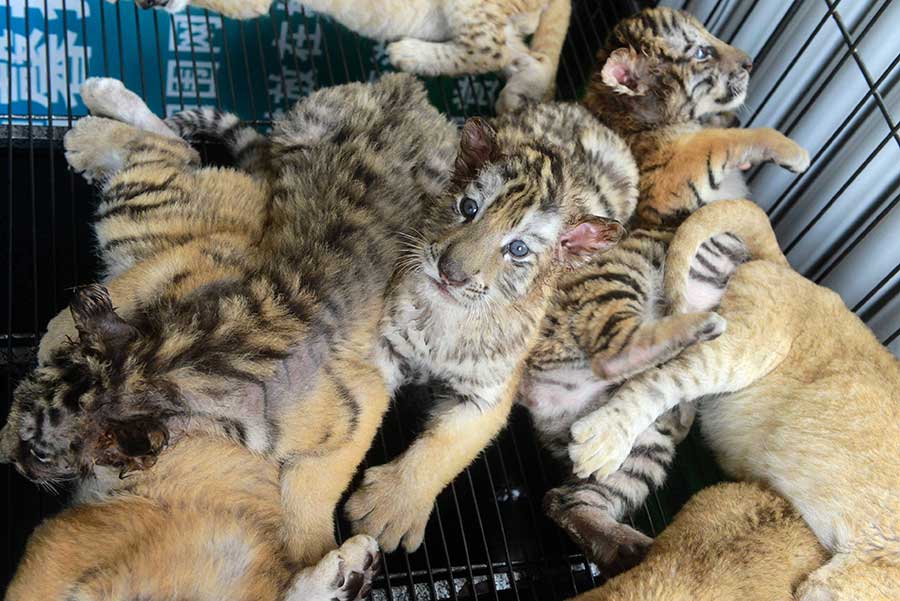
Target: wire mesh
point(488, 537)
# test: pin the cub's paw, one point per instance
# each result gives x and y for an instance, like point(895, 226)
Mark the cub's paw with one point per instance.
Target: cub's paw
point(812, 590)
point(386, 507)
point(582, 513)
point(530, 79)
point(600, 443)
point(710, 328)
point(95, 147)
point(108, 97)
point(786, 153)
point(411, 56)
point(344, 574)
point(172, 6)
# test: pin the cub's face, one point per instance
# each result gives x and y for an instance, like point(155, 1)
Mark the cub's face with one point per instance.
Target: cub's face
point(667, 57)
point(510, 227)
point(86, 405)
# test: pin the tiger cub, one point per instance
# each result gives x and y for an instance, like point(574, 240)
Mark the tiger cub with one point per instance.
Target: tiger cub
point(798, 393)
point(204, 524)
point(659, 78)
point(531, 194)
point(445, 37)
point(240, 306)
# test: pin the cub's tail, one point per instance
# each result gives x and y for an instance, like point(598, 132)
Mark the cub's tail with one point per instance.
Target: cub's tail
point(713, 230)
point(248, 147)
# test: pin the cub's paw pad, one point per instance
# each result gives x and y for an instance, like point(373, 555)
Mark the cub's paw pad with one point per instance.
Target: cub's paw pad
point(600, 445)
point(172, 6)
point(382, 508)
point(95, 146)
point(359, 563)
point(344, 574)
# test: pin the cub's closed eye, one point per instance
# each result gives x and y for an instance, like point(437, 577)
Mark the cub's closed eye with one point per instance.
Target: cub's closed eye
point(468, 208)
point(518, 249)
point(704, 52)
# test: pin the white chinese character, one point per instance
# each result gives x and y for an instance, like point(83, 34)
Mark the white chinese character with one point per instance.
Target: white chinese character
point(194, 34)
point(44, 90)
point(302, 39)
point(295, 86)
point(54, 8)
point(475, 94)
point(193, 79)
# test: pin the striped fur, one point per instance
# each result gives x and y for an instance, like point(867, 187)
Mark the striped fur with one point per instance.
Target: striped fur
point(182, 531)
point(611, 320)
point(236, 306)
point(798, 394)
point(466, 308)
point(248, 147)
point(445, 37)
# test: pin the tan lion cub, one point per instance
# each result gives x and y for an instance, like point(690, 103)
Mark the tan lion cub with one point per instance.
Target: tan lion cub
point(798, 393)
point(204, 524)
point(731, 542)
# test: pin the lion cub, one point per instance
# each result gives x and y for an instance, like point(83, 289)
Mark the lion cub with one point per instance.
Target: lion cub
point(797, 393)
point(444, 37)
point(736, 542)
point(204, 524)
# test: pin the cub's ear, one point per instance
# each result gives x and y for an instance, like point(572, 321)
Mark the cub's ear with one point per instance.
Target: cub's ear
point(588, 236)
point(477, 146)
point(625, 72)
point(98, 324)
point(134, 444)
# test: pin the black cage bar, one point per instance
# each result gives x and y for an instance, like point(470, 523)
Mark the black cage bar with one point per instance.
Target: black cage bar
point(825, 73)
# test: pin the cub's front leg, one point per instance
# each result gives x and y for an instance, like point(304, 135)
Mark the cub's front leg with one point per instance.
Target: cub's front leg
point(395, 500)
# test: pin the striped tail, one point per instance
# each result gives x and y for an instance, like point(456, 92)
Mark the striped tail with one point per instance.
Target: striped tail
point(705, 234)
point(248, 147)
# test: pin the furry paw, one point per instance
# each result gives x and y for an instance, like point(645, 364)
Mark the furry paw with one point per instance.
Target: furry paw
point(407, 55)
point(582, 513)
point(95, 147)
point(601, 443)
point(345, 574)
point(172, 6)
point(107, 97)
point(787, 153)
point(711, 328)
point(812, 590)
point(385, 507)
point(530, 79)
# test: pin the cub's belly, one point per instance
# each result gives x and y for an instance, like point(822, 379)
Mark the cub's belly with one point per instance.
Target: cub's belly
point(558, 397)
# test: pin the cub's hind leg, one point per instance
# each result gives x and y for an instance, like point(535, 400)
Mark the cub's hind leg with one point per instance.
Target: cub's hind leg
point(478, 43)
point(107, 97)
point(590, 511)
point(322, 443)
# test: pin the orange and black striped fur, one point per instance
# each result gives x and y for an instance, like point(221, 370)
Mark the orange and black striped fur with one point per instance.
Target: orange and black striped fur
point(532, 194)
point(246, 307)
point(660, 77)
point(205, 524)
point(797, 394)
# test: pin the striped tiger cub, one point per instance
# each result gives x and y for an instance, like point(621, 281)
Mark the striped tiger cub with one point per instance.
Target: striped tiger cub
point(532, 194)
point(246, 307)
point(662, 80)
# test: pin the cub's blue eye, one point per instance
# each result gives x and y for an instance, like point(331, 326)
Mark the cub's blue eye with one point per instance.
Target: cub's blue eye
point(704, 52)
point(468, 208)
point(517, 248)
